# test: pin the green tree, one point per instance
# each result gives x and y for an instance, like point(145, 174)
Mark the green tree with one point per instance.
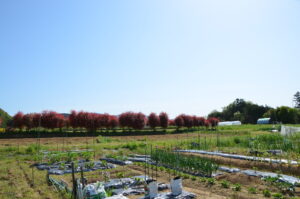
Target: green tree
point(297, 99)
point(5, 117)
point(242, 110)
point(287, 115)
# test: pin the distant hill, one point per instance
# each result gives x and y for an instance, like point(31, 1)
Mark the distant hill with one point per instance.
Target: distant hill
point(5, 117)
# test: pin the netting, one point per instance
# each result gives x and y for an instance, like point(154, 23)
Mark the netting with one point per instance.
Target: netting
point(289, 130)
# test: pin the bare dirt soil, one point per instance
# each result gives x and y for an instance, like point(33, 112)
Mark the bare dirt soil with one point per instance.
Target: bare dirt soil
point(55, 140)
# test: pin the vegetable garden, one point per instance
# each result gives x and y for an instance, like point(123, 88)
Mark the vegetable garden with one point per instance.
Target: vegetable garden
point(201, 174)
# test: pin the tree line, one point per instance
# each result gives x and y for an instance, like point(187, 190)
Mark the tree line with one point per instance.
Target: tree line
point(95, 121)
point(244, 111)
point(248, 112)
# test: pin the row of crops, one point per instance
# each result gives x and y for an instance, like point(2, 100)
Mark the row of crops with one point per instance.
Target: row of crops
point(259, 142)
point(190, 164)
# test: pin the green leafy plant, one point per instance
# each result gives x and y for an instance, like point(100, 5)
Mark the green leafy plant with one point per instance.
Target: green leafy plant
point(267, 193)
point(106, 175)
point(237, 187)
point(185, 176)
point(252, 190)
point(62, 166)
point(104, 163)
point(225, 184)
point(90, 165)
point(211, 181)
point(202, 180)
point(31, 149)
point(109, 192)
point(71, 157)
point(120, 174)
point(87, 155)
point(278, 196)
point(54, 158)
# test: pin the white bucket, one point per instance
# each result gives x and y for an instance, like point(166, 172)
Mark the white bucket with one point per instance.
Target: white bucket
point(153, 189)
point(176, 186)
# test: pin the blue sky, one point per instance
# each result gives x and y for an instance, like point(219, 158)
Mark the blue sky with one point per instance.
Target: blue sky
point(178, 56)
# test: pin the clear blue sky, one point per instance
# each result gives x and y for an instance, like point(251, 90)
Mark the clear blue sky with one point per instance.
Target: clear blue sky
point(178, 56)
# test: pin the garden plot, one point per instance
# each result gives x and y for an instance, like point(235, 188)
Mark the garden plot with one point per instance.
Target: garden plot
point(61, 168)
point(136, 185)
point(123, 160)
point(241, 157)
point(117, 160)
point(189, 164)
point(59, 163)
point(282, 178)
point(162, 157)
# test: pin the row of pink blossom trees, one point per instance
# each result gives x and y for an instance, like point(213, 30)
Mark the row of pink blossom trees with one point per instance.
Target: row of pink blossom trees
point(190, 121)
point(94, 121)
point(46, 119)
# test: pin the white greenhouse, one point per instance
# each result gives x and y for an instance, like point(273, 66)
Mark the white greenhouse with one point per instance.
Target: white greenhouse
point(229, 123)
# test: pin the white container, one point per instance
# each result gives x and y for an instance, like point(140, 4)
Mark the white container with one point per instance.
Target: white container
point(176, 186)
point(153, 189)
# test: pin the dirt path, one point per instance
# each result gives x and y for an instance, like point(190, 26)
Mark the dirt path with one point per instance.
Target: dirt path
point(74, 140)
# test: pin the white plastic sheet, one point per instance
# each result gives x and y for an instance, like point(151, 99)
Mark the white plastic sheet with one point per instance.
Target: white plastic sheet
point(241, 157)
point(289, 130)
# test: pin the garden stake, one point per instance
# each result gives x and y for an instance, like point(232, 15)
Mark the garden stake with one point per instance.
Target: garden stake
point(82, 178)
point(32, 173)
point(156, 165)
point(145, 162)
point(74, 192)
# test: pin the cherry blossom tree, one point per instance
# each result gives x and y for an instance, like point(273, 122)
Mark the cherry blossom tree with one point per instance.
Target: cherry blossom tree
point(164, 120)
point(18, 120)
point(153, 120)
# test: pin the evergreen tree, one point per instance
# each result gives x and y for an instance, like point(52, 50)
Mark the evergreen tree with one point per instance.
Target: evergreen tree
point(297, 100)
